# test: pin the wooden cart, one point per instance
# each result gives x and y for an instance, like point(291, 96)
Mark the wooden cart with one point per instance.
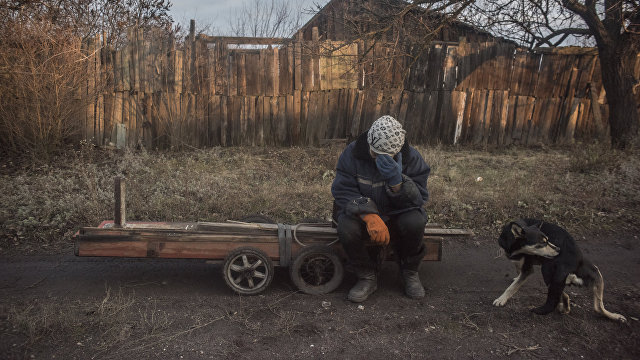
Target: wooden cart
point(249, 251)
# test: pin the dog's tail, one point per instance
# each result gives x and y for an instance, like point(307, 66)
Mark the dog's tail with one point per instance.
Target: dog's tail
point(598, 292)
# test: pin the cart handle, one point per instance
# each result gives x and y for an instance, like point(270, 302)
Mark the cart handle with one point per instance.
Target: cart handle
point(295, 237)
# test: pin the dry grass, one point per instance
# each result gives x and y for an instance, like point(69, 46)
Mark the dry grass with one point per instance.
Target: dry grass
point(116, 320)
point(586, 188)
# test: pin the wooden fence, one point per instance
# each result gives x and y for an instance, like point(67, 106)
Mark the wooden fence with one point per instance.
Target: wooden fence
point(219, 91)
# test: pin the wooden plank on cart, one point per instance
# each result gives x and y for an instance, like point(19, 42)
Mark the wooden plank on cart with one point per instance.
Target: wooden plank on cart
point(214, 240)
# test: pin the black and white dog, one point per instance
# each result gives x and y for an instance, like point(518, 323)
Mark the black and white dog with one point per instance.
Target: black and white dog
point(529, 242)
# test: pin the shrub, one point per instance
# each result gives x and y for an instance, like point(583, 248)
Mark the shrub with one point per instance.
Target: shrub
point(42, 69)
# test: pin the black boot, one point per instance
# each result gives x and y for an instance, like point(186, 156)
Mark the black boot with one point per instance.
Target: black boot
point(412, 285)
point(366, 285)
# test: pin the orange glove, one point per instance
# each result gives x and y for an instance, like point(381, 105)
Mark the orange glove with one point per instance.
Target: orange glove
point(378, 231)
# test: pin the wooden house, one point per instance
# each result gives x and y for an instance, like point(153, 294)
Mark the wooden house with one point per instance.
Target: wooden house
point(346, 20)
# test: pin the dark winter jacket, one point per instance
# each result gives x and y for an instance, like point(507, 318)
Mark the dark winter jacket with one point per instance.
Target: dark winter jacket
point(360, 189)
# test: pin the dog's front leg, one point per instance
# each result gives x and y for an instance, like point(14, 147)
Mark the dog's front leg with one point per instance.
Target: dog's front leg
point(553, 298)
point(564, 306)
point(525, 270)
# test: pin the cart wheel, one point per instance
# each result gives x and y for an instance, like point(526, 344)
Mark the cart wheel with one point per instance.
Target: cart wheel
point(317, 270)
point(248, 271)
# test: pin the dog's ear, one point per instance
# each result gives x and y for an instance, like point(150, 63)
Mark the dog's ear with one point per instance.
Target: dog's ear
point(517, 229)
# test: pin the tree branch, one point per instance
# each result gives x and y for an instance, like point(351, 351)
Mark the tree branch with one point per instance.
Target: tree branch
point(590, 17)
point(565, 32)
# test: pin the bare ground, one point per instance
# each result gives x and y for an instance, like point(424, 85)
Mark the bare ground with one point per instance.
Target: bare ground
point(66, 307)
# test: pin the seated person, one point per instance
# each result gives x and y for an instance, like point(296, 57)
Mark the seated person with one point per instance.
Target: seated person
point(379, 190)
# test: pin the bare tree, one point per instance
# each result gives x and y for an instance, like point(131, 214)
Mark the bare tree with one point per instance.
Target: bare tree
point(266, 18)
point(43, 93)
point(44, 67)
point(86, 18)
point(400, 31)
point(613, 25)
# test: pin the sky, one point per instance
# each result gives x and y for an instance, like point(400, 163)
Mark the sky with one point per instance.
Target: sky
point(218, 12)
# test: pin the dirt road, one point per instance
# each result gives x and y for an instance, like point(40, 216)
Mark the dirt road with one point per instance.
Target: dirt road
point(66, 307)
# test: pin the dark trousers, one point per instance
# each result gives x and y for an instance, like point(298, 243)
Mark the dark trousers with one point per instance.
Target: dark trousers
point(406, 230)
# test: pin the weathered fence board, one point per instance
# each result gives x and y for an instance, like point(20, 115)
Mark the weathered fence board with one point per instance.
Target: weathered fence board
point(295, 92)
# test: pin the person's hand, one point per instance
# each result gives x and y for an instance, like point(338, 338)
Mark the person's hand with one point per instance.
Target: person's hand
point(378, 231)
point(390, 169)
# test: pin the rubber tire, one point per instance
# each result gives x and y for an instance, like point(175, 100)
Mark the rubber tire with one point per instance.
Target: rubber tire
point(322, 251)
point(254, 253)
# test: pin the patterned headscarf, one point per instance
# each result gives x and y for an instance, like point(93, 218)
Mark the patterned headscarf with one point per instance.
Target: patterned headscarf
point(386, 136)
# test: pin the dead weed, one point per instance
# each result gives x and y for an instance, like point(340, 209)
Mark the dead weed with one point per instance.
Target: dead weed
point(583, 188)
